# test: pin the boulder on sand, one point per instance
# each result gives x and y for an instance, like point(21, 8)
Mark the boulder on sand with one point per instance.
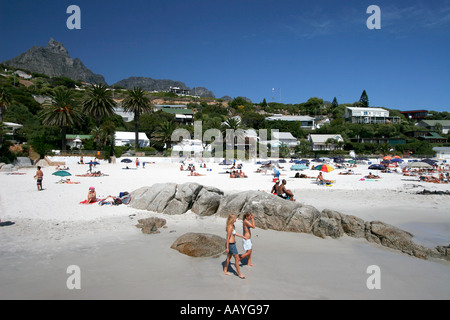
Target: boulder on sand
point(200, 245)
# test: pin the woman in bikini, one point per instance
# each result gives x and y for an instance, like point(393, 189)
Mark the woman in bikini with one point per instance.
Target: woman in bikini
point(249, 222)
point(231, 246)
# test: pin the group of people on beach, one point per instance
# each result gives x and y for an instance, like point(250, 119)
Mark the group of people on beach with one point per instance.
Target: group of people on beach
point(281, 190)
point(231, 248)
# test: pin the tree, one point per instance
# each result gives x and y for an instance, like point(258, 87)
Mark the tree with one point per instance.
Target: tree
point(5, 100)
point(61, 112)
point(138, 103)
point(334, 104)
point(163, 134)
point(364, 100)
point(98, 102)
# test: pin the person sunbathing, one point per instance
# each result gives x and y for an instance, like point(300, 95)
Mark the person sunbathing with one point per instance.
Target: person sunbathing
point(371, 176)
point(92, 195)
point(285, 193)
point(321, 179)
point(196, 174)
point(298, 175)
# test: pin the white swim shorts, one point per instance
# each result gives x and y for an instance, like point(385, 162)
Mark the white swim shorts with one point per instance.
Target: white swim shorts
point(247, 244)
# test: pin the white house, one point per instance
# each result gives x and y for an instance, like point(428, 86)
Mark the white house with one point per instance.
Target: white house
point(368, 115)
point(189, 146)
point(286, 138)
point(306, 122)
point(123, 138)
point(442, 152)
point(126, 116)
point(319, 141)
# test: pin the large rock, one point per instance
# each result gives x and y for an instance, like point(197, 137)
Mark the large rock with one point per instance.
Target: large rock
point(184, 197)
point(272, 212)
point(200, 245)
point(208, 201)
point(151, 225)
point(154, 198)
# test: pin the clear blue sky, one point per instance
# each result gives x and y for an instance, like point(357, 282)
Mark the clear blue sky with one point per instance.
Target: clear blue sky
point(301, 49)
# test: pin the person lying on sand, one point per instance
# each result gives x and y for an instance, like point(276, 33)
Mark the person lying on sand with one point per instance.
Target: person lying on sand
point(298, 175)
point(371, 176)
point(196, 174)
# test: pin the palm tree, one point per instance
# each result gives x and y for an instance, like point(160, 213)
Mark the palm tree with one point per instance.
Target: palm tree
point(98, 102)
point(163, 133)
point(5, 100)
point(62, 111)
point(138, 103)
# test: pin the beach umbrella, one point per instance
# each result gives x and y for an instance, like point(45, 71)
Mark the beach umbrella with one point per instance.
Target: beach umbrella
point(299, 166)
point(94, 163)
point(377, 167)
point(420, 165)
point(282, 161)
point(61, 173)
point(397, 157)
point(126, 160)
point(387, 158)
point(324, 168)
point(397, 160)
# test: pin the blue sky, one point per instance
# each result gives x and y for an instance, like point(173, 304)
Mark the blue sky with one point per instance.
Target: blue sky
point(284, 51)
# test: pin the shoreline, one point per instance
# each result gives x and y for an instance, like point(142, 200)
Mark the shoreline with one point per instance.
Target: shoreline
point(52, 231)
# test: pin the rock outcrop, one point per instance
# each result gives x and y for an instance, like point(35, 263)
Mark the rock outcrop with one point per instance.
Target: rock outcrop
point(54, 61)
point(272, 212)
point(151, 225)
point(200, 245)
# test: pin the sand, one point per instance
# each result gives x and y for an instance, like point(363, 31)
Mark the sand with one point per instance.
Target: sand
point(43, 233)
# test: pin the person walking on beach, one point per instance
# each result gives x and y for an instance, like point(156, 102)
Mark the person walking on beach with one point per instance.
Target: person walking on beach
point(249, 222)
point(39, 177)
point(231, 246)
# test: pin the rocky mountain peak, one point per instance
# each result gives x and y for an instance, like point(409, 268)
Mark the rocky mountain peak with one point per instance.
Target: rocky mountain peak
point(56, 47)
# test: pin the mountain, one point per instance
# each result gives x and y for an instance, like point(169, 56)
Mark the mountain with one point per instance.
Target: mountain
point(54, 61)
point(150, 84)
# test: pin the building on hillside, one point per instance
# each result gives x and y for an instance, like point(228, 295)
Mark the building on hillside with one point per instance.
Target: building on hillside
point(322, 142)
point(442, 153)
point(184, 116)
point(429, 136)
point(279, 138)
point(431, 125)
point(368, 115)
point(122, 138)
point(158, 107)
point(11, 128)
point(188, 147)
point(178, 91)
point(306, 122)
point(126, 116)
point(415, 114)
point(76, 140)
point(22, 74)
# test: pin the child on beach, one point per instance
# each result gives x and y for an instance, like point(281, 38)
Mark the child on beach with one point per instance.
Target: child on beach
point(231, 246)
point(39, 177)
point(249, 222)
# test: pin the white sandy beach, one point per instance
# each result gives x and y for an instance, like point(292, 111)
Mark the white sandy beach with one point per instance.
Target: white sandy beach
point(50, 231)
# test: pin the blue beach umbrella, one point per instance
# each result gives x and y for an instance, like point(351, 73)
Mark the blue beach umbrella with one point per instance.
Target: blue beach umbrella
point(61, 173)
